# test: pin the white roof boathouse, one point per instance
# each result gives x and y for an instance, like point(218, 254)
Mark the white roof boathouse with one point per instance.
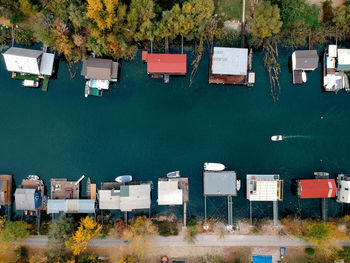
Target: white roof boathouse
point(220, 183)
point(302, 61)
point(335, 62)
point(261, 187)
point(99, 73)
point(29, 65)
point(343, 190)
point(173, 191)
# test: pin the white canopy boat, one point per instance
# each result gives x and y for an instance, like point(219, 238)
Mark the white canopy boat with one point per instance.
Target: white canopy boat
point(33, 177)
point(214, 167)
point(174, 174)
point(276, 138)
point(124, 179)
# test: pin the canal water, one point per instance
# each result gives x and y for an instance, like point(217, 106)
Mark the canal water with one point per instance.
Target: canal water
point(146, 128)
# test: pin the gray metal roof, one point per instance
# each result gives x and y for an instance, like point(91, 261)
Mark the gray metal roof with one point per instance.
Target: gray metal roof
point(100, 69)
point(46, 64)
point(220, 183)
point(135, 197)
point(82, 206)
point(23, 52)
point(109, 199)
point(306, 59)
point(25, 199)
point(230, 61)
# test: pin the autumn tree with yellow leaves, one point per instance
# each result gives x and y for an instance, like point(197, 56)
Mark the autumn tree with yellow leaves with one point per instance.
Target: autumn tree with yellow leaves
point(87, 230)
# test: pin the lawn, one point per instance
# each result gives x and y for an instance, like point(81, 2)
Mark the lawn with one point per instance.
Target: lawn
point(229, 9)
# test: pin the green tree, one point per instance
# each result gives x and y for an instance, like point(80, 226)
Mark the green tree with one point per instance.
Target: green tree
point(295, 10)
point(342, 19)
point(15, 230)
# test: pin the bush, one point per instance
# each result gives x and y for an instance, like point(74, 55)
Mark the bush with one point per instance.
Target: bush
point(310, 251)
point(166, 228)
point(15, 230)
point(21, 252)
point(191, 233)
point(345, 253)
point(192, 221)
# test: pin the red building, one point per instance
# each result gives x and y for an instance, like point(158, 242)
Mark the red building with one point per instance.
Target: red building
point(162, 65)
point(317, 188)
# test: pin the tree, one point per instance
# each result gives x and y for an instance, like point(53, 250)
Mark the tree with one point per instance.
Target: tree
point(87, 230)
point(299, 10)
point(15, 230)
point(342, 19)
point(266, 23)
point(42, 29)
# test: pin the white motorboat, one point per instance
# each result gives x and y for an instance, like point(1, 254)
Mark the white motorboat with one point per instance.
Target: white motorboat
point(214, 167)
point(33, 177)
point(276, 138)
point(124, 179)
point(238, 185)
point(174, 174)
point(30, 83)
point(303, 76)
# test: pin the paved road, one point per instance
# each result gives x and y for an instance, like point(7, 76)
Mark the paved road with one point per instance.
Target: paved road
point(202, 241)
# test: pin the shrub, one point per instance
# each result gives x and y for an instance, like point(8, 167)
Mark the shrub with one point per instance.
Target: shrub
point(15, 230)
point(309, 251)
point(345, 253)
point(21, 252)
point(191, 233)
point(192, 221)
point(166, 228)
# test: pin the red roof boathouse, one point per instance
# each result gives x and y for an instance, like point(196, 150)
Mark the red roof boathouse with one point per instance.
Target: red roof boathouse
point(317, 188)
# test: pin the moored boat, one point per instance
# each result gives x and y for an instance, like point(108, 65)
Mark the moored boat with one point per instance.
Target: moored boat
point(33, 177)
point(124, 179)
point(214, 167)
point(174, 174)
point(238, 185)
point(276, 138)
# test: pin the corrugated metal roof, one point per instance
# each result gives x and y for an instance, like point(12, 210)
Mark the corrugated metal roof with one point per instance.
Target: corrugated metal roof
point(109, 199)
point(82, 206)
point(24, 199)
point(23, 52)
point(343, 56)
point(46, 64)
point(166, 63)
point(22, 60)
point(139, 197)
point(220, 183)
point(169, 193)
point(230, 61)
point(305, 60)
point(317, 188)
point(264, 187)
point(344, 192)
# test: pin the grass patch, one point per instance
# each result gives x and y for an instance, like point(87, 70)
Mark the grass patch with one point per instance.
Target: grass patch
point(228, 9)
point(26, 76)
point(167, 228)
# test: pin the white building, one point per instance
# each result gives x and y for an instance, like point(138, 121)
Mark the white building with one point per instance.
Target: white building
point(343, 191)
point(264, 187)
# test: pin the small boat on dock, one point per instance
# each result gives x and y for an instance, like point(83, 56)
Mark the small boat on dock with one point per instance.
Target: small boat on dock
point(276, 138)
point(124, 179)
point(238, 185)
point(174, 174)
point(33, 177)
point(214, 167)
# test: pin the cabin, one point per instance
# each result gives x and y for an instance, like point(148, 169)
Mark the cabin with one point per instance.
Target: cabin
point(220, 183)
point(99, 74)
point(335, 63)
point(317, 188)
point(29, 65)
point(302, 61)
point(30, 196)
point(5, 189)
point(161, 65)
point(265, 187)
point(231, 66)
point(65, 198)
point(125, 197)
point(343, 190)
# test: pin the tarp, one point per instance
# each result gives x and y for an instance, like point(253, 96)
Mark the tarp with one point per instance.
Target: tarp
point(262, 259)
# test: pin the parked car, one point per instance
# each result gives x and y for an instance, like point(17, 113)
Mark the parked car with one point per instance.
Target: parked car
point(165, 259)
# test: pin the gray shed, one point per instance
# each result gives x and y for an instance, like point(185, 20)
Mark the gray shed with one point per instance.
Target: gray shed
point(100, 69)
point(305, 60)
point(25, 199)
point(222, 183)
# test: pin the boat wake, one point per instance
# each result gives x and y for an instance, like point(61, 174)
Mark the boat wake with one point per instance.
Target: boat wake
point(285, 137)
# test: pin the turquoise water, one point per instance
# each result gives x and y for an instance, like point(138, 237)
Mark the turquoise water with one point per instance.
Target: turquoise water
point(146, 128)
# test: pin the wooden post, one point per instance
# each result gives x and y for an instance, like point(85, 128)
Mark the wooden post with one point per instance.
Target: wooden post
point(185, 213)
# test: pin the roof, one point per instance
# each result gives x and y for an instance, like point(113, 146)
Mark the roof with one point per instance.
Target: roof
point(344, 192)
point(135, 197)
point(305, 59)
point(230, 61)
point(22, 60)
point(60, 186)
point(220, 183)
point(264, 187)
point(24, 199)
point(169, 193)
point(317, 188)
point(23, 52)
point(343, 59)
point(262, 258)
point(83, 206)
point(46, 64)
point(166, 63)
point(109, 199)
point(99, 68)
point(3, 190)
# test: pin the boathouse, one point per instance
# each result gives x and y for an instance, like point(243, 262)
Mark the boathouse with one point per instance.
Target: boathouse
point(30, 196)
point(317, 188)
point(5, 189)
point(173, 191)
point(220, 183)
point(231, 66)
point(99, 73)
point(161, 65)
point(343, 190)
point(61, 188)
point(302, 61)
point(29, 65)
point(265, 187)
point(335, 62)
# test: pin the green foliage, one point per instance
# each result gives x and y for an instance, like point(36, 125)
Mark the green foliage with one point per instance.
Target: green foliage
point(310, 251)
point(191, 233)
point(192, 221)
point(209, 258)
point(294, 10)
point(345, 253)
point(296, 34)
point(42, 30)
point(23, 36)
point(266, 23)
point(86, 258)
point(21, 252)
point(342, 19)
point(15, 230)
point(327, 9)
point(167, 228)
point(231, 39)
point(317, 231)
